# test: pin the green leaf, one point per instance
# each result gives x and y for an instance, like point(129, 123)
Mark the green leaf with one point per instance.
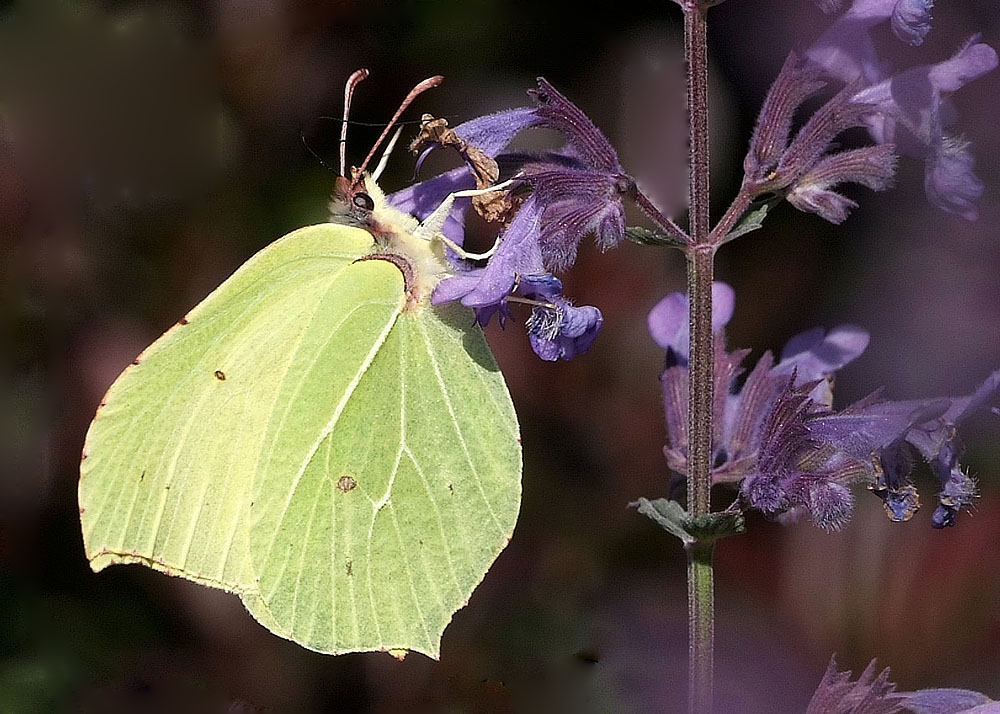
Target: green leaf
point(713, 526)
point(752, 220)
point(672, 517)
point(645, 236)
point(669, 515)
point(346, 463)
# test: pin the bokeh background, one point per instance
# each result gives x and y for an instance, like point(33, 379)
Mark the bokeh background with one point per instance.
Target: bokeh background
point(148, 148)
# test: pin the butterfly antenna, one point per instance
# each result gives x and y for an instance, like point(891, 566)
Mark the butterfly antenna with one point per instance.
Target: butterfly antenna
point(385, 155)
point(352, 82)
point(302, 135)
point(428, 83)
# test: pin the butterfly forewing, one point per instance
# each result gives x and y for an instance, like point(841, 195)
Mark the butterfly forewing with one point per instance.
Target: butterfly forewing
point(170, 456)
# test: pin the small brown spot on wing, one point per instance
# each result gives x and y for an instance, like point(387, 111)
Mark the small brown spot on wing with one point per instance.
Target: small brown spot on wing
point(182, 321)
point(137, 360)
point(346, 483)
point(350, 568)
point(220, 375)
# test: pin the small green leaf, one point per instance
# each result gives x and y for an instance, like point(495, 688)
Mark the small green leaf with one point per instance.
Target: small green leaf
point(713, 526)
point(645, 236)
point(669, 515)
point(672, 517)
point(752, 220)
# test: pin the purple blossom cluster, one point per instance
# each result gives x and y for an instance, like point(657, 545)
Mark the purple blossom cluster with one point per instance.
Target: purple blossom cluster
point(781, 443)
point(564, 196)
point(907, 112)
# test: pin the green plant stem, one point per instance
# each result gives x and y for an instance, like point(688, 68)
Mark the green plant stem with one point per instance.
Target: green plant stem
point(701, 256)
point(701, 596)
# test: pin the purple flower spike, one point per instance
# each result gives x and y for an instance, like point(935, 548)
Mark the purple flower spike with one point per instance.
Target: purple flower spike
point(781, 444)
point(802, 169)
point(575, 192)
point(582, 189)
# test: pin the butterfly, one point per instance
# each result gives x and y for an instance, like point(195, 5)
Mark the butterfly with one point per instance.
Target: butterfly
point(315, 436)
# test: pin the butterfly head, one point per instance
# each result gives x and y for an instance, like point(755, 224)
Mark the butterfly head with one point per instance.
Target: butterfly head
point(351, 203)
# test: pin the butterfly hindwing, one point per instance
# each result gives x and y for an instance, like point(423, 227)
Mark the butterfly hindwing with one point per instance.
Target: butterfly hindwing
point(402, 504)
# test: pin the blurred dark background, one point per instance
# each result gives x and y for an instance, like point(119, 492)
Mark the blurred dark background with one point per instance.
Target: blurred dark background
point(147, 149)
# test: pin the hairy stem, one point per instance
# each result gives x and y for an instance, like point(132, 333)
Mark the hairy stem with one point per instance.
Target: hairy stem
point(664, 222)
point(700, 590)
point(701, 258)
point(736, 210)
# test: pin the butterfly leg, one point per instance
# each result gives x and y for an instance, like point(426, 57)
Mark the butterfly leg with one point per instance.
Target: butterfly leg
point(462, 253)
point(431, 226)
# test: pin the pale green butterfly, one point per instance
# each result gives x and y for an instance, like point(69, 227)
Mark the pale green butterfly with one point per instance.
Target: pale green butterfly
point(316, 437)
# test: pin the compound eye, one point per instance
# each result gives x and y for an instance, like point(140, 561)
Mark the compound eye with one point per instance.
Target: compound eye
point(363, 200)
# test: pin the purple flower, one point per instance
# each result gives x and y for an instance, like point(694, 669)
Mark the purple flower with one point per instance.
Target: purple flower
point(803, 168)
point(871, 166)
point(908, 109)
point(909, 113)
point(517, 255)
point(846, 50)
point(871, 693)
point(559, 330)
point(574, 192)
point(421, 199)
point(911, 20)
point(781, 443)
point(668, 320)
point(949, 701)
point(893, 436)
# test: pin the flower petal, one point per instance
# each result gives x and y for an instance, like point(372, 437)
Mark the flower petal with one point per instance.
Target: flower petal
point(668, 320)
point(518, 254)
point(944, 701)
point(563, 331)
point(491, 133)
point(814, 354)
